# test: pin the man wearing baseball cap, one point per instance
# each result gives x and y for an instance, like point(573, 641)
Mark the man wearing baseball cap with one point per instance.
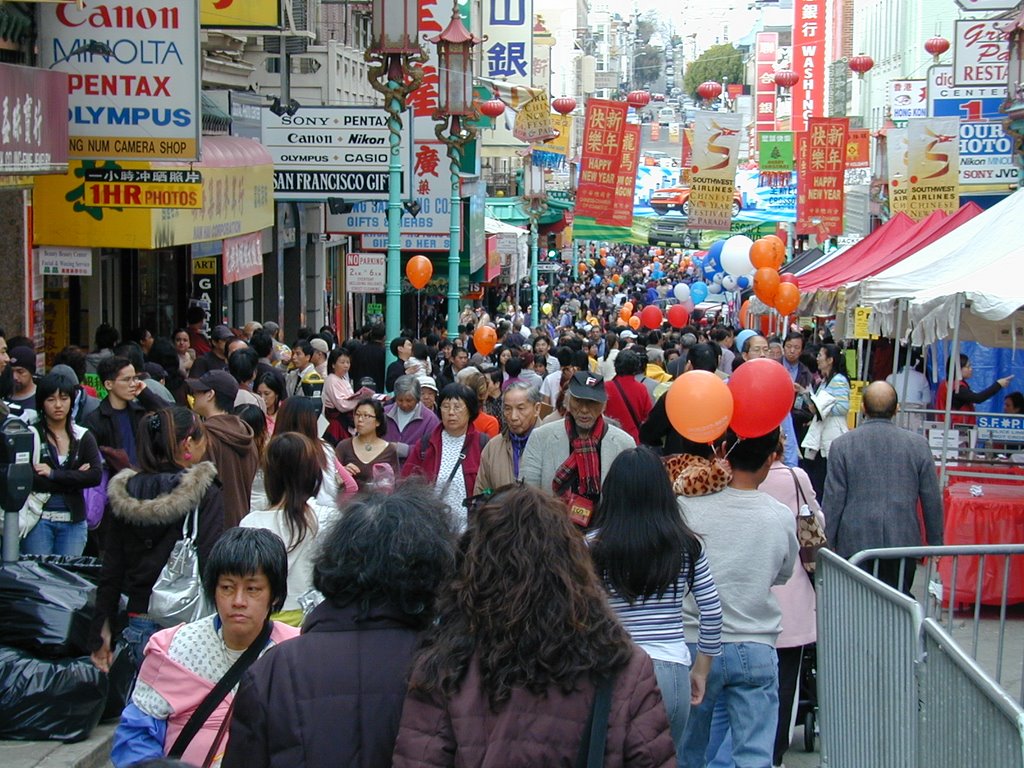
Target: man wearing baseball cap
point(230, 443)
point(571, 456)
point(321, 350)
point(23, 370)
point(217, 358)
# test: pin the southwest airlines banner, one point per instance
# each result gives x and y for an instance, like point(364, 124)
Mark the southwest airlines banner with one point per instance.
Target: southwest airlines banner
point(716, 143)
point(625, 184)
point(601, 157)
point(896, 160)
point(933, 161)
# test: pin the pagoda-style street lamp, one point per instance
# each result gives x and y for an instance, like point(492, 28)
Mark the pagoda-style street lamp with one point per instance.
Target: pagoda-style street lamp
point(393, 54)
point(454, 104)
point(534, 202)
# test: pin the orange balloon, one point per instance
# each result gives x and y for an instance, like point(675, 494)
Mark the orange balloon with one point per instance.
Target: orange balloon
point(762, 254)
point(766, 283)
point(628, 305)
point(699, 405)
point(745, 314)
point(625, 314)
point(485, 339)
point(418, 270)
point(787, 298)
point(634, 322)
point(780, 249)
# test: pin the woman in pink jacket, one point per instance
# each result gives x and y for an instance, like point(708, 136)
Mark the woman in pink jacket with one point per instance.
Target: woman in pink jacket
point(792, 487)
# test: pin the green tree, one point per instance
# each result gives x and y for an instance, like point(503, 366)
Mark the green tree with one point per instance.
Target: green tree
point(716, 63)
point(647, 65)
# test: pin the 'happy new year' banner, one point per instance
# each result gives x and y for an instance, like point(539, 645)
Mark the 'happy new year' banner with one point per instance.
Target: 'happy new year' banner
point(601, 157)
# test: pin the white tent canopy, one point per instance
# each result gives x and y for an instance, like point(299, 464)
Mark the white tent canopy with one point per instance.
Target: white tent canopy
point(974, 275)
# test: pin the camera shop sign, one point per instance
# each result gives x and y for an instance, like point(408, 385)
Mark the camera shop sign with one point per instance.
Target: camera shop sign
point(322, 152)
point(143, 188)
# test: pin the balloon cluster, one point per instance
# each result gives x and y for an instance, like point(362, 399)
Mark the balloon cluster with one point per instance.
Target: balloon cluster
point(781, 291)
point(757, 398)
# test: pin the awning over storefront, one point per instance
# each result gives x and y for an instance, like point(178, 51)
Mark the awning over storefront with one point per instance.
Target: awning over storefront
point(238, 198)
point(509, 210)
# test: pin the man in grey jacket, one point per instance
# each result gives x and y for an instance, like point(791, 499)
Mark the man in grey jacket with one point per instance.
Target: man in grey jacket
point(877, 473)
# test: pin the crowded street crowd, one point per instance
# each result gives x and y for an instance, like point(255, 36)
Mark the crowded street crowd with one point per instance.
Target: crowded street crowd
point(489, 549)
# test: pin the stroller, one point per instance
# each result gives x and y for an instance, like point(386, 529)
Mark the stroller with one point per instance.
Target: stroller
point(807, 699)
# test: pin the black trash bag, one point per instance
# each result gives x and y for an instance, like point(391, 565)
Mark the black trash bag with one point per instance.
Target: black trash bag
point(46, 609)
point(86, 567)
point(42, 700)
point(120, 683)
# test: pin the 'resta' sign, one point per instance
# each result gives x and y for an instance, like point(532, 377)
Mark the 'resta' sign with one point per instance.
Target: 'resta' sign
point(132, 76)
point(322, 152)
point(981, 53)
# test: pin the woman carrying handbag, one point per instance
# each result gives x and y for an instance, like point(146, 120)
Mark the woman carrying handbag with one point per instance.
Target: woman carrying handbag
point(182, 703)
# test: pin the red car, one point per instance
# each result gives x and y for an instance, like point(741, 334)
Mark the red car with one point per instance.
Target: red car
point(678, 199)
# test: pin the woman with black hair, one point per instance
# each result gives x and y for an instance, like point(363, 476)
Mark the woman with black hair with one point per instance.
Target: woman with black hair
point(830, 405)
point(163, 353)
point(69, 461)
point(245, 579)
point(649, 560)
point(148, 510)
point(271, 387)
point(292, 473)
point(524, 645)
point(333, 696)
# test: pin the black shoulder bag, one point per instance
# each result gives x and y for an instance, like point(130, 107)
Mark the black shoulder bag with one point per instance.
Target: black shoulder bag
point(219, 692)
point(591, 754)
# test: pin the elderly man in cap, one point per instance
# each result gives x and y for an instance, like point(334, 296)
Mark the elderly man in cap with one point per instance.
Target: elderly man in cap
point(571, 456)
point(230, 443)
point(501, 457)
point(282, 353)
point(217, 358)
point(321, 350)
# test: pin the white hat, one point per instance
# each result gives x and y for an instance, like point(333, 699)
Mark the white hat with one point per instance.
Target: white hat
point(627, 334)
point(427, 382)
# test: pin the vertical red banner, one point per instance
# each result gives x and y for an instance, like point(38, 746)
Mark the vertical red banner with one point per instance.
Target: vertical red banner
point(765, 53)
point(821, 160)
point(625, 185)
point(601, 157)
point(808, 61)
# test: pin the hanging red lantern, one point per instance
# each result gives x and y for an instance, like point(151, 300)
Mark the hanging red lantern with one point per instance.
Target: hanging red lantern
point(709, 90)
point(493, 108)
point(638, 99)
point(861, 64)
point(936, 46)
point(786, 78)
point(563, 105)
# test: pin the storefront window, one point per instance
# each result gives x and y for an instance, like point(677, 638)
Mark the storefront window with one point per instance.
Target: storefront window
point(161, 293)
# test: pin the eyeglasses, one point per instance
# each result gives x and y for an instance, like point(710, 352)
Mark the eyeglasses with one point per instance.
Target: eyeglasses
point(129, 380)
point(365, 416)
point(453, 406)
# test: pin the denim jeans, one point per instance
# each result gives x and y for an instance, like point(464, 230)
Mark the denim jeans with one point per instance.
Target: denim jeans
point(674, 682)
point(746, 678)
point(136, 635)
point(50, 538)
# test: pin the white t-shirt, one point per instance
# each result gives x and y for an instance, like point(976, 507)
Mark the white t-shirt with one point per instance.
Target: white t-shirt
point(451, 448)
point(551, 387)
point(919, 392)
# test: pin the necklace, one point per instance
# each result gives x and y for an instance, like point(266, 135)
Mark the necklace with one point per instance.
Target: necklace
point(367, 446)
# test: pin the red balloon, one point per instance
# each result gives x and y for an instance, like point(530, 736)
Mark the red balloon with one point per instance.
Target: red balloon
point(789, 277)
point(651, 317)
point(418, 270)
point(762, 394)
point(678, 316)
point(485, 339)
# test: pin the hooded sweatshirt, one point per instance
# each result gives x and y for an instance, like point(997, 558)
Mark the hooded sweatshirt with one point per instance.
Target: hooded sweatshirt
point(231, 448)
point(147, 515)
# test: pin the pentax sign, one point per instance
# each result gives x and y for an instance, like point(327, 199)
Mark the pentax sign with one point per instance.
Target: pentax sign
point(133, 77)
point(322, 152)
point(981, 52)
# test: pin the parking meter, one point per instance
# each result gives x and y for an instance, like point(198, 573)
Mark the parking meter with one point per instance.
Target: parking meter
point(313, 388)
point(17, 443)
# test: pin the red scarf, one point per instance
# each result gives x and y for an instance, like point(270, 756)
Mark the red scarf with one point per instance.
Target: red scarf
point(581, 471)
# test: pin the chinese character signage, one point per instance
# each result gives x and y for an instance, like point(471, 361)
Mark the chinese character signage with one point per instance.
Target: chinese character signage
point(716, 143)
point(63, 261)
point(933, 162)
point(601, 157)
point(764, 92)
point(145, 188)
point(507, 52)
point(775, 152)
point(858, 148)
point(808, 61)
point(819, 203)
point(141, 101)
point(896, 161)
point(33, 120)
point(625, 183)
point(243, 257)
point(907, 99)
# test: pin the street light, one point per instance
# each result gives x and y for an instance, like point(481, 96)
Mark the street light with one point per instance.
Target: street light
point(534, 202)
point(454, 102)
point(393, 54)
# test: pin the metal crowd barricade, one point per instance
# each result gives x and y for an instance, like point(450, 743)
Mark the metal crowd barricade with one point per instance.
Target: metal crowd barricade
point(894, 687)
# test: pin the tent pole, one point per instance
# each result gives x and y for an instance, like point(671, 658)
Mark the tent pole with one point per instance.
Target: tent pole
point(896, 337)
point(905, 384)
point(954, 366)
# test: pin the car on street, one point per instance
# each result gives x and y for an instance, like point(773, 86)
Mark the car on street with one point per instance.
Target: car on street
point(678, 199)
point(667, 116)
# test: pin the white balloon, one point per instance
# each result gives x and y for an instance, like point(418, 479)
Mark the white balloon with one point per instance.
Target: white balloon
point(714, 287)
point(718, 277)
point(729, 283)
point(682, 292)
point(736, 255)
